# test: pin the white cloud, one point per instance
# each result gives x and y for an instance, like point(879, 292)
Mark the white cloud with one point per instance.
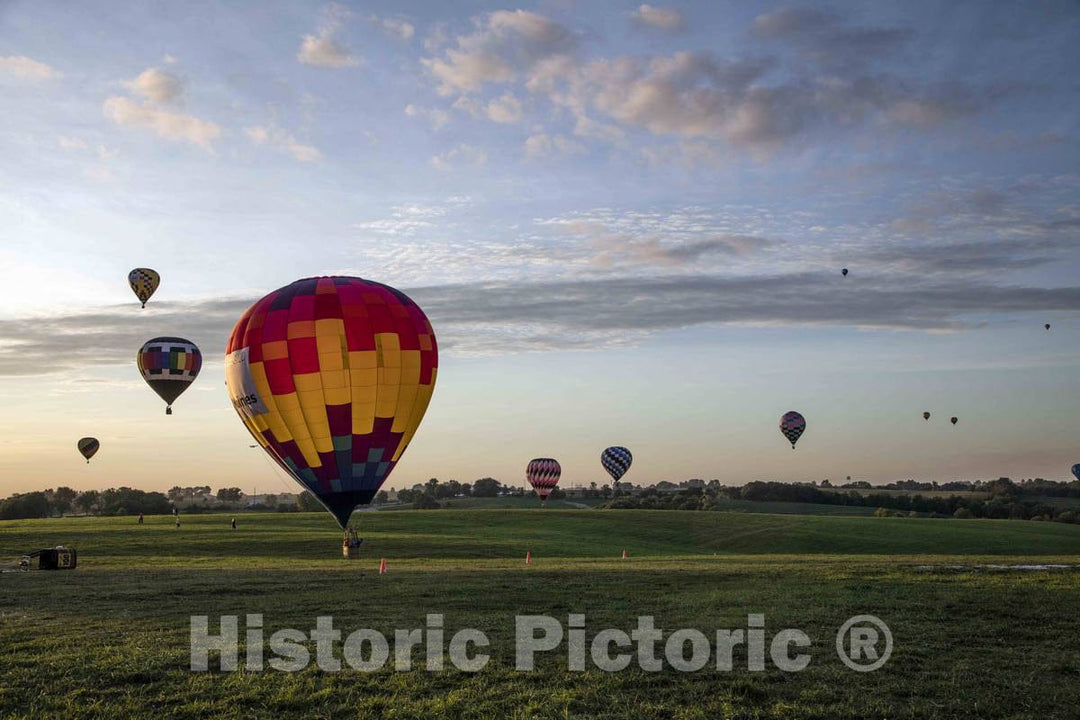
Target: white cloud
point(284, 141)
point(171, 126)
point(394, 27)
point(99, 173)
point(463, 154)
point(321, 49)
point(662, 18)
point(542, 145)
point(435, 117)
point(156, 85)
point(505, 109)
point(324, 52)
point(26, 68)
point(505, 45)
point(70, 143)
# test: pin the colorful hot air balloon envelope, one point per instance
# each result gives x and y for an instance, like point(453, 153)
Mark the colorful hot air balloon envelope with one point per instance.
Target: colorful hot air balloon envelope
point(1076, 471)
point(926, 416)
point(844, 272)
point(543, 474)
point(143, 282)
point(169, 365)
point(792, 426)
point(332, 376)
point(616, 460)
point(88, 446)
point(954, 420)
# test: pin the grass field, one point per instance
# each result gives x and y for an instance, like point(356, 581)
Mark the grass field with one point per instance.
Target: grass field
point(531, 503)
point(111, 639)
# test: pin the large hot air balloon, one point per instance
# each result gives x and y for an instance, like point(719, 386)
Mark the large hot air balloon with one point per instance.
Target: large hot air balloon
point(1076, 471)
point(332, 376)
point(143, 282)
point(616, 460)
point(792, 426)
point(954, 420)
point(926, 416)
point(543, 474)
point(88, 446)
point(169, 365)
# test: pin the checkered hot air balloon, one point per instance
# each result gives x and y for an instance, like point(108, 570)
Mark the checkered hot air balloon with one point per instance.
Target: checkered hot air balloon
point(616, 460)
point(332, 376)
point(143, 282)
point(88, 446)
point(792, 426)
point(543, 474)
point(169, 365)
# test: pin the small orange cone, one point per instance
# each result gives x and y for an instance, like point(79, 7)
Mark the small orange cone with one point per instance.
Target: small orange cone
point(382, 567)
point(624, 555)
point(528, 557)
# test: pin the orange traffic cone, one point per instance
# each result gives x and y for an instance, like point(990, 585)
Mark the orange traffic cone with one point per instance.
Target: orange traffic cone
point(528, 557)
point(382, 567)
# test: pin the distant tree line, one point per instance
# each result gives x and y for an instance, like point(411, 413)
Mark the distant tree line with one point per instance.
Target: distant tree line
point(1030, 487)
point(426, 496)
point(1007, 500)
point(64, 500)
point(129, 501)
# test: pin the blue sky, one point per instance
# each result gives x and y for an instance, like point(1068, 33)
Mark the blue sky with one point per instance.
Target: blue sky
point(625, 221)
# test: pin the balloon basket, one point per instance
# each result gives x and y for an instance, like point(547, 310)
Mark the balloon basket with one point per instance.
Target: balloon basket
point(350, 545)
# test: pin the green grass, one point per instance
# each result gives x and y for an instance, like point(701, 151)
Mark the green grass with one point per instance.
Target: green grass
point(111, 638)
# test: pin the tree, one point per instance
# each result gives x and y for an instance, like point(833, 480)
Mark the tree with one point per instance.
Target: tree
point(307, 502)
point(62, 499)
point(128, 501)
point(88, 501)
point(381, 498)
point(229, 494)
point(486, 487)
point(24, 506)
point(176, 493)
point(426, 502)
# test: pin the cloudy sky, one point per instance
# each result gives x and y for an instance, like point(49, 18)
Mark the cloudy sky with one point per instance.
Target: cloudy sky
point(626, 223)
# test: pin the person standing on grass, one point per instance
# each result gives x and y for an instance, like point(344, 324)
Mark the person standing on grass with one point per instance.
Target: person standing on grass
point(234, 523)
point(140, 518)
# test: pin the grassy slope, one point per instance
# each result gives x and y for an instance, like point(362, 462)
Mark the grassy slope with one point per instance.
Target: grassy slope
point(110, 639)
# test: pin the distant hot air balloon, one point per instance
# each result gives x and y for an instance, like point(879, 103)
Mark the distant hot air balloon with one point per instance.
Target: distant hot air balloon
point(616, 460)
point(543, 474)
point(332, 376)
point(169, 365)
point(926, 416)
point(792, 426)
point(144, 282)
point(1076, 471)
point(88, 446)
point(844, 272)
point(954, 420)
point(1047, 326)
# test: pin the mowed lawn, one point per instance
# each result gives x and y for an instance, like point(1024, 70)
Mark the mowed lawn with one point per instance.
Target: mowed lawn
point(111, 639)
